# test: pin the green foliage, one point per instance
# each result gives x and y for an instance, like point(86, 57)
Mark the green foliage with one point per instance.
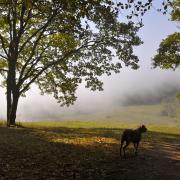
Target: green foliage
point(178, 96)
point(168, 56)
point(175, 15)
point(63, 42)
point(97, 124)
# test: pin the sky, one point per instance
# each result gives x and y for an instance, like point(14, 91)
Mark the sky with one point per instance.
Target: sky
point(117, 87)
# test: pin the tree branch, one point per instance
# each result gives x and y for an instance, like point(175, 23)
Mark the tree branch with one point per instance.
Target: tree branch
point(26, 76)
point(21, 29)
point(43, 28)
point(10, 25)
point(3, 45)
point(4, 57)
point(5, 70)
point(34, 47)
point(51, 64)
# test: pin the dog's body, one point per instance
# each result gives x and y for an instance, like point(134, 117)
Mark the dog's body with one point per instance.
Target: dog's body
point(134, 136)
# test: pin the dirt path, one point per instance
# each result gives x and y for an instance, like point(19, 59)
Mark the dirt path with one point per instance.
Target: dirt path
point(162, 162)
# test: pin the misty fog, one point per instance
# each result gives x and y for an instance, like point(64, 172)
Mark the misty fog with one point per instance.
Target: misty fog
point(127, 88)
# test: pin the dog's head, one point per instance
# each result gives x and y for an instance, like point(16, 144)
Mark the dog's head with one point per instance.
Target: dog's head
point(143, 128)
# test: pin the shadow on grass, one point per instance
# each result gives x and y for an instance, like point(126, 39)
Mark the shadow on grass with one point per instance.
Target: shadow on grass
point(79, 153)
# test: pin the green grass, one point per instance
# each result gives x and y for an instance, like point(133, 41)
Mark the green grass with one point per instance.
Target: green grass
point(100, 124)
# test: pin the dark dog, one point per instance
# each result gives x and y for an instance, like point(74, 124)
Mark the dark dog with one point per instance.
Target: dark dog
point(134, 136)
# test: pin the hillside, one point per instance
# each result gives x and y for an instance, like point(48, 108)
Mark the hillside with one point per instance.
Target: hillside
point(147, 114)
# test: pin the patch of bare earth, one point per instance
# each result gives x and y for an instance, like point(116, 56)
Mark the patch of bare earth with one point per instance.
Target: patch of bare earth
point(161, 162)
point(85, 154)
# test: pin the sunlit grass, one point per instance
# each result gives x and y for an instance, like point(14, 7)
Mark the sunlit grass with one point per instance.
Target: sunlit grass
point(99, 133)
point(2, 123)
point(101, 124)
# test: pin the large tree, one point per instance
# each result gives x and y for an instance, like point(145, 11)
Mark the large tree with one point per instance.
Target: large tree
point(57, 44)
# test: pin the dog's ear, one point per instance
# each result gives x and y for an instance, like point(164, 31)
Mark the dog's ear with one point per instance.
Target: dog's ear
point(144, 128)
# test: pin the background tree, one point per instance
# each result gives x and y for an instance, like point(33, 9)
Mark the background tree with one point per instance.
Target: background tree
point(168, 54)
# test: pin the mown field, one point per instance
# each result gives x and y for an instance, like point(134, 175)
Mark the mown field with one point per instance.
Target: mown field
point(86, 150)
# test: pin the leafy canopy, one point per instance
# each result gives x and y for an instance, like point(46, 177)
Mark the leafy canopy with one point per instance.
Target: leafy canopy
point(175, 14)
point(168, 54)
point(57, 44)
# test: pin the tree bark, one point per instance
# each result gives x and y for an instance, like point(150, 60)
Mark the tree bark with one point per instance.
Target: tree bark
point(12, 95)
point(13, 111)
point(12, 103)
point(9, 99)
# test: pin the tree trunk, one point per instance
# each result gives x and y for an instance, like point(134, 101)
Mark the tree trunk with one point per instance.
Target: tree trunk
point(12, 95)
point(12, 103)
point(13, 111)
point(12, 88)
point(9, 98)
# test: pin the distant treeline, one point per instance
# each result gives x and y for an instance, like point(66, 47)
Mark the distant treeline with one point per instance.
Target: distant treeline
point(152, 97)
point(171, 107)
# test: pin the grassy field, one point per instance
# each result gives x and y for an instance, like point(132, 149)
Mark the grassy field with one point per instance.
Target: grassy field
point(85, 150)
point(137, 114)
